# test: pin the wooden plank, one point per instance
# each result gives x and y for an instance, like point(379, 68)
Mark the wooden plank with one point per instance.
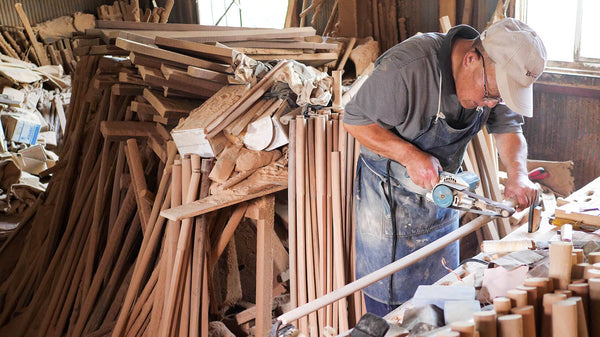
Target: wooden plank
point(241, 35)
point(290, 44)
point(136, 47)
point(216, 202)
point(315, 60)
point(208, 75)
point(122, 130)
point(264, 263)
point(37, 46)
point(129, 25)
point(215, 52)
point(168, 107)
point(448, 8)
point(154, 77)
point(177, 76)
point(245, 102)
point(154, 62)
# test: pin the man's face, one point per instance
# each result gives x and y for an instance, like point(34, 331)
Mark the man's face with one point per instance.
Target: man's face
point(478, 87)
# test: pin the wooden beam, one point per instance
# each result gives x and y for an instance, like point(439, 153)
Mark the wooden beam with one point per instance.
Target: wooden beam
point(37, 46)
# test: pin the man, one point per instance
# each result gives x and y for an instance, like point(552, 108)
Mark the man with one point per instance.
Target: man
point(414, 116)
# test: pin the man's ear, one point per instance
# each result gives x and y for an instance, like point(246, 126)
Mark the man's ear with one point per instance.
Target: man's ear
point(471, 58)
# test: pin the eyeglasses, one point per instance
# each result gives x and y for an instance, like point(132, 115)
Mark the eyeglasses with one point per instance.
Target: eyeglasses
point(486, 96)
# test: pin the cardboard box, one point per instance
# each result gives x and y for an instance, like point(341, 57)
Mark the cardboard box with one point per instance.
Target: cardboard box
point(20, 129)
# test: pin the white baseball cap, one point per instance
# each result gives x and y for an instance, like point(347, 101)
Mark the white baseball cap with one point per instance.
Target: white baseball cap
point(520, 57)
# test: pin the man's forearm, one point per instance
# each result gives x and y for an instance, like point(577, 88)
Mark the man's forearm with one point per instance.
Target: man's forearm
point(512, 149)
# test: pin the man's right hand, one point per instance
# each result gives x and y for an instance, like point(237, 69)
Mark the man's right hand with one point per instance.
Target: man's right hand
point(423, 169)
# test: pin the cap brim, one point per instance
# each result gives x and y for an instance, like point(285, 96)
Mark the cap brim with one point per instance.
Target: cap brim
point(517, 98)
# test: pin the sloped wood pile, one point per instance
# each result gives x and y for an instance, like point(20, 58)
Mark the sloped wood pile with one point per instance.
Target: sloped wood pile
point(97, 256)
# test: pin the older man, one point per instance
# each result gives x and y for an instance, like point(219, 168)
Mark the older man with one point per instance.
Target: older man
point(414, 116)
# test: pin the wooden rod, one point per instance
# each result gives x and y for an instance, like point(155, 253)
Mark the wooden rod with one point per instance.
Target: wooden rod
point(379, 274)
point(564, 322)
point(528, 314)
point(510, 326)
point(485, 323)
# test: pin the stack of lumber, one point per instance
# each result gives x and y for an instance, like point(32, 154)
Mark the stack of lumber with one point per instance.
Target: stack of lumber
point(562, 303)
point(130, 11)
point(130, 252)
point(321, 220)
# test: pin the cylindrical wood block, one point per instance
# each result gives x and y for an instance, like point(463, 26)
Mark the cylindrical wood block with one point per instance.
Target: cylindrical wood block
point(502, 305)
point(582, 326)
point(578, 270)
point(593, 257)
point(560, 263)
point(518, 298)
point(591, 273)
point(594, 305)
point(465, 328)
point(579, 253)
point(542, 283)
point(596, 265)
point(548, 301)
point(582, 290)
point(531, 294)
point(510, 326)
point(485, 323)
point(528, 314)
point(567, 292)
point(564, 323)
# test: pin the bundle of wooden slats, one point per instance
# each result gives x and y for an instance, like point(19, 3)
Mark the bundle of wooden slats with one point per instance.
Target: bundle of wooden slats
point(130, 11)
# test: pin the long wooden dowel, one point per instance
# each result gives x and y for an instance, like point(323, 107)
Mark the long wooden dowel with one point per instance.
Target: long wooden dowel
point(292, 212)
point(300, 215)
point(386, 271)
point(40, 51)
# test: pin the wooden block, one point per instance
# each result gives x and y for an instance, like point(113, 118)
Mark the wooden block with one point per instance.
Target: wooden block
point(122, 130)
point(225, 163)
point(170, 108)
point(183, 79)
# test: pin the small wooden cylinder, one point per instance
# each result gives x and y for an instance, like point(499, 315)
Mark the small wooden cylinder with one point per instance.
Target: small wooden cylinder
point(518, 298)
point(542, 283)
point(531, 294)
point(596, 265)
point(560, 263)
point(567, 292)
point(549, 300)
point(582, 326)
point(528, 314)
point(593, 257)
point(578, 271)
point(502, 305)
point(582, 290)
point(591, 273)
point(510, 326)
point(465, 328)
point(579, 253)
point(594, 306)
point(564, 323)
point(485, 323)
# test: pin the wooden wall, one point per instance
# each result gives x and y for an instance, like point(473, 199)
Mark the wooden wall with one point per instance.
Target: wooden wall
point(566, 123)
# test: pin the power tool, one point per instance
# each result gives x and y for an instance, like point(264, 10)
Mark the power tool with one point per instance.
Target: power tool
point(456, 190)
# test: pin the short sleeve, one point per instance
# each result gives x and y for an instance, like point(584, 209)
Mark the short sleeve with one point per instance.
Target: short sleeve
point(504, 120)
point(382, 99)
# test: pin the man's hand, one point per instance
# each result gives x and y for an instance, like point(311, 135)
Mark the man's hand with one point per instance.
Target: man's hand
point(423, 169)
point(522, 190)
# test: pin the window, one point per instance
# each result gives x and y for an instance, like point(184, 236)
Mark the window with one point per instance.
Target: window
point(243, 13)
point(568, 29)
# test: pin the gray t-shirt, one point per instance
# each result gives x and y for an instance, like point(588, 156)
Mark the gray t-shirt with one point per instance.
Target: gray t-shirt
point(403, 90)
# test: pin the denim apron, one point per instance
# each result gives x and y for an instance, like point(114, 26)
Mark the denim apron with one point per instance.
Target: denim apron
point(418, 221)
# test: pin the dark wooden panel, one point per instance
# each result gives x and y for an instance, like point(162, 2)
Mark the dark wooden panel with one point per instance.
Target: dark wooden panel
point(566, 127)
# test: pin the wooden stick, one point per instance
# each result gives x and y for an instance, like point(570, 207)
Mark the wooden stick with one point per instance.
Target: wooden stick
point(528, 314)
point(38, 47)
point(292, 225)
point(338, 250)
point(510, 326)
point(366, 280)
point(485, 323)
point(136, 170)
point(564, 322)
point(301, 222)
point(264, 264)
point(560, 263)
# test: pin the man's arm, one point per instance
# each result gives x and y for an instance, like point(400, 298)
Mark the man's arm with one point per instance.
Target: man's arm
point(422, 167)
point(512, 148)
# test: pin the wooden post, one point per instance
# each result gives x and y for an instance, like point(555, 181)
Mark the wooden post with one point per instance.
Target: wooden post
point(485, 323)
point(510, 326)
point(518, 298)
point(564, 322)
point(38, 47)
point(549, 300)
point(594, 313)
point(502, 306)
point(264, 264)
point(528, 314)
point(301, 222)
point(465, 328)
point(560, 263)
